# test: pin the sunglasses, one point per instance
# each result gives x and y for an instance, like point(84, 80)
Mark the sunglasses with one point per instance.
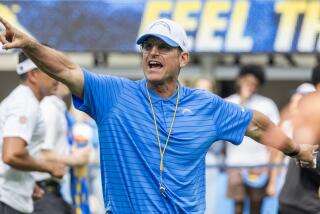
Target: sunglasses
point(162, 47)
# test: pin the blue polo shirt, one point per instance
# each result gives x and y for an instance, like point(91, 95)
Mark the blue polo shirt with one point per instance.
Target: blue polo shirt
point(129, 149)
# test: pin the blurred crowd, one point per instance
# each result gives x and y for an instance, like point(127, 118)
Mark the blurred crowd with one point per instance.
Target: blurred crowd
point(248, 178)
point(48, 149)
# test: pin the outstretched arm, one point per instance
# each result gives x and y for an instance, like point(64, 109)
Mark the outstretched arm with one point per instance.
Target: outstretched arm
point(50, 61)
point(263, 130)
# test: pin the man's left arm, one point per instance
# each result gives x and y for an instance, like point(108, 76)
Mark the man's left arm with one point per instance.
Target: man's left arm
point(264, 131)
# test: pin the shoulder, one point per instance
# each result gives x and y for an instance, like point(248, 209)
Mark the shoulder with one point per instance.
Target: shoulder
point(103, 82)
point(263, 99)
point(21, 104)
point(21, 99)
point(91, 76)
point(233, 98)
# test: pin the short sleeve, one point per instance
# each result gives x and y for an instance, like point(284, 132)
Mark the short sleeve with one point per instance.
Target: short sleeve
point(20, 122)
point(231, 119)
point(100, 94)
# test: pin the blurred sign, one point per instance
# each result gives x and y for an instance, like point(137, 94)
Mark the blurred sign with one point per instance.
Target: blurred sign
point(228, 26)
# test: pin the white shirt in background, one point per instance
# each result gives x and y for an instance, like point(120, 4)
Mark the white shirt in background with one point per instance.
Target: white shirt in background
point(20, 117)
point(249, 152)
point(53, 110)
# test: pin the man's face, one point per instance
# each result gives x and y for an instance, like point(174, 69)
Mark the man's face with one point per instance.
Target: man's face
point(160, 61)
point(248, 83)
point(45, 84)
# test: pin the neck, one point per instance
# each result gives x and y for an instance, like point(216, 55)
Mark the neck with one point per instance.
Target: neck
point(164, 90)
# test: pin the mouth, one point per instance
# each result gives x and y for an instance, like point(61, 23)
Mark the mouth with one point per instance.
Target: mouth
point(153, 64)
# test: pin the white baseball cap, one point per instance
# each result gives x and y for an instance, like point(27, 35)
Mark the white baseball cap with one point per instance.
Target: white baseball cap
point(168, 31)
point(305, 88)
point(25, 66)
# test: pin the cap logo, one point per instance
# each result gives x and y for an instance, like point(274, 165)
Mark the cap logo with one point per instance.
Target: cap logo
point(160, 24)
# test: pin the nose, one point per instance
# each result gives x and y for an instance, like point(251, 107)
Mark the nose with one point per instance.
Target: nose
point(154, 50)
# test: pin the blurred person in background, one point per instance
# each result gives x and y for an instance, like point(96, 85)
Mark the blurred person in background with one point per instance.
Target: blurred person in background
point(140, 174)
point(252, 182)
point(23, 132)
point(306, 128)
point(94, 175)
point(300, 193)
point(82, 134)
point(291, 109)
point(214, 157)
point(86, 180)
point(55, 148)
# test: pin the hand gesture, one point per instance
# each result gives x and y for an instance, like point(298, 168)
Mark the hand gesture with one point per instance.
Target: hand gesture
point(307, 156)
point(12, 37)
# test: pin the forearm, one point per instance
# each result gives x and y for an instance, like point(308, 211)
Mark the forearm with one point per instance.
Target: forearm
point(264, 131)
point(48, 59)
point(26, 162)
point(55, 64)
point(69, 160)
point(66, 159)
point(50, 155)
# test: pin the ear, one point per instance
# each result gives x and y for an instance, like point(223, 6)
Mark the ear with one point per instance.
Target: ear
point(184, 59)
point(32, 76)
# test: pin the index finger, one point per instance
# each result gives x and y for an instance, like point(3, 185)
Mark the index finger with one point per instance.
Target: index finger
point(5, 22)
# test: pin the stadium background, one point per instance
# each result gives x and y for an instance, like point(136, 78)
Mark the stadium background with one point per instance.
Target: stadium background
point(281, 35)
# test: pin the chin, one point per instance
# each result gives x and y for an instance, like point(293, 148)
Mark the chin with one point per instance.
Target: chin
point(154, 78)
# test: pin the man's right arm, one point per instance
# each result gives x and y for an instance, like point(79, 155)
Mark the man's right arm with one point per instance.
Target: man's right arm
point(15, 154)
point(50, 61)
point(264, 131)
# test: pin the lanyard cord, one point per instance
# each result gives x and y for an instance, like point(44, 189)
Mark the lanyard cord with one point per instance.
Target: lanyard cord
point(156, 126)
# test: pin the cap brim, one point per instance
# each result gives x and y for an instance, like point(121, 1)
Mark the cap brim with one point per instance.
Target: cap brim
point(167, 40)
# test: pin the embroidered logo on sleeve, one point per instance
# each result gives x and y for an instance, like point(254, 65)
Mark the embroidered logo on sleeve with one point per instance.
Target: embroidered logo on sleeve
point(23, 119)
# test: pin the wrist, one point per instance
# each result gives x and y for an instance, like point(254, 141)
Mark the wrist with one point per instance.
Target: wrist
point(30, 44)
point(46, 166)
point(294, 152)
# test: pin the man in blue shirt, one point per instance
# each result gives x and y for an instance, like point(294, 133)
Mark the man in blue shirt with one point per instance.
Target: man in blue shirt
point(154, 133)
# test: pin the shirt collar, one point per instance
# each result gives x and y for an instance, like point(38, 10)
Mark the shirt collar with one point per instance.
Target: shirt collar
point(156, 98)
